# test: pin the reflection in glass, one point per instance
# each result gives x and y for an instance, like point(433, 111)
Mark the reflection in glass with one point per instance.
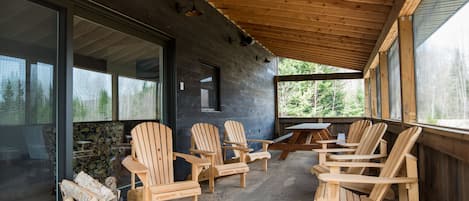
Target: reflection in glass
point(209, 88)
point(91, 96)
point(394, 70)
point(116, 86)
point(442, 63)
point(137, 99)
point(28, 56)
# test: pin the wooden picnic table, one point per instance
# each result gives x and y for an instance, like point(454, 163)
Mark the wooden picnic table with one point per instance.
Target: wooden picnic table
point(303, 137)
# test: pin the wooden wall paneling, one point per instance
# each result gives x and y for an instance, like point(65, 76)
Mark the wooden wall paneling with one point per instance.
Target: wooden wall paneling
point(383, 69)
point(406, 53)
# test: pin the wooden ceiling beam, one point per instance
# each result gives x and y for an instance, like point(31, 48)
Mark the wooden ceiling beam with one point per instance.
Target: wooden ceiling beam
point(317, 58)
point(309, 34)
point(307, 24)
point(320, 60)
point(308, 4)
point(302, 9)
point(375, 2)
point(312, 41)
point(313, 55)
point(300, 17)
point(400, 8)
point(302, 46)
point(312, 28)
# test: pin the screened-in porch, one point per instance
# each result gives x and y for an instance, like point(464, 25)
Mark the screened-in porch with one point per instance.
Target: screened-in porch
point(234, 100)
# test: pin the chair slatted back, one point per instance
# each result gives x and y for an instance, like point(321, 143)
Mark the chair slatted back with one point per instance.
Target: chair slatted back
point(403, 145)
point(234, 130)
point(356, 131)
point(153, 145)
point(206, 137)
point(368, 144)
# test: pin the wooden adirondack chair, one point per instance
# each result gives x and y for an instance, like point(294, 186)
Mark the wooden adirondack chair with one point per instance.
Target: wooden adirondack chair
point(330, 189)
point(354, 135)
point(234, 131)
point(206, 143)
point(364, 150)
point(152, 161)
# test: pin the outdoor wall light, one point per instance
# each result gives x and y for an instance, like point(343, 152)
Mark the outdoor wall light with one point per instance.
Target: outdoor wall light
point(193, 12)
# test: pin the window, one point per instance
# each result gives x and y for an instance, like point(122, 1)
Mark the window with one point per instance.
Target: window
point(209, 89)
point(41, 101)
point(325, 98)
point(28, 56)
point(296, 67)
point(12, 91)
point(394, 81)
point(442, 62)
point(137, 99)
point(92, 92)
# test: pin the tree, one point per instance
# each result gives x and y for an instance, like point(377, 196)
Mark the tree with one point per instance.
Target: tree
point(79, 110)
point(103, 104)
point(325, 98)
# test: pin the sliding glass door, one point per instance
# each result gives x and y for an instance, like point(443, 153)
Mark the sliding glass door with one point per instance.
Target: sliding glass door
point(28, 62)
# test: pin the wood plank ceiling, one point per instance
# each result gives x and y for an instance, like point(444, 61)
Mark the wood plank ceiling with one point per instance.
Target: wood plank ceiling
point(340, 33)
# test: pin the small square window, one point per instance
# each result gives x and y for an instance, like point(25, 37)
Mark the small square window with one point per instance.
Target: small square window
point(209, 88)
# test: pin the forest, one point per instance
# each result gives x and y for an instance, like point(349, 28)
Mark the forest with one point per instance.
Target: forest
point(325, 98)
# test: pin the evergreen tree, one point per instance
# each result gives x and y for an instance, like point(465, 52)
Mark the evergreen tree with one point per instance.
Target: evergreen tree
point(104, 104)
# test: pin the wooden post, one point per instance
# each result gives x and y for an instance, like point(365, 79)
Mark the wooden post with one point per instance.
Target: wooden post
point(406, 53)
point(373, 93)
point(383, 70)
point(277, 123)
point(367, 97)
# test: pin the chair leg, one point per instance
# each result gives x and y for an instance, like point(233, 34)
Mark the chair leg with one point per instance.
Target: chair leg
point(195, 198)
point(211, 184)
point(243, 180)
point(264, 164)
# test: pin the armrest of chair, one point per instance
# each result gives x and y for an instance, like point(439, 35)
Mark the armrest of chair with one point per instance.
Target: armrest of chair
point(327, 141)
point(338, 150)
point(134, 166)
point(261, 141)
point(350, 178)
point(353, 164)
point(348, 144)
point(192, 159)
point(202, 152)
point(353, 157)
point(246, 150)
point(235, 143)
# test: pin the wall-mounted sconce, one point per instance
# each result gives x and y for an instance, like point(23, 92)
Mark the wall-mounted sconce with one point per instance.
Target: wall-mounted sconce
point(266, 60)
point(192, 12)
point(246, 40)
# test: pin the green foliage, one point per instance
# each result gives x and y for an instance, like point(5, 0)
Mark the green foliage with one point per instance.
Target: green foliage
point(328, 98)
point(104, 104)
point(79, 110)
point(13, 105)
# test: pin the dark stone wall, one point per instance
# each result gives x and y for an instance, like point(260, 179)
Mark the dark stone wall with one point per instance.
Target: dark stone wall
point(246, 86)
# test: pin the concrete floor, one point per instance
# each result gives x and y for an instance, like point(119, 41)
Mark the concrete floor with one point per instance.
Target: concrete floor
point(285, 180)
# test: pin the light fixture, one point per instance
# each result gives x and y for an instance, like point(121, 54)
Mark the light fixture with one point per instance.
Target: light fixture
point(266, 60)
point(246, 40)
point(193, 12)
